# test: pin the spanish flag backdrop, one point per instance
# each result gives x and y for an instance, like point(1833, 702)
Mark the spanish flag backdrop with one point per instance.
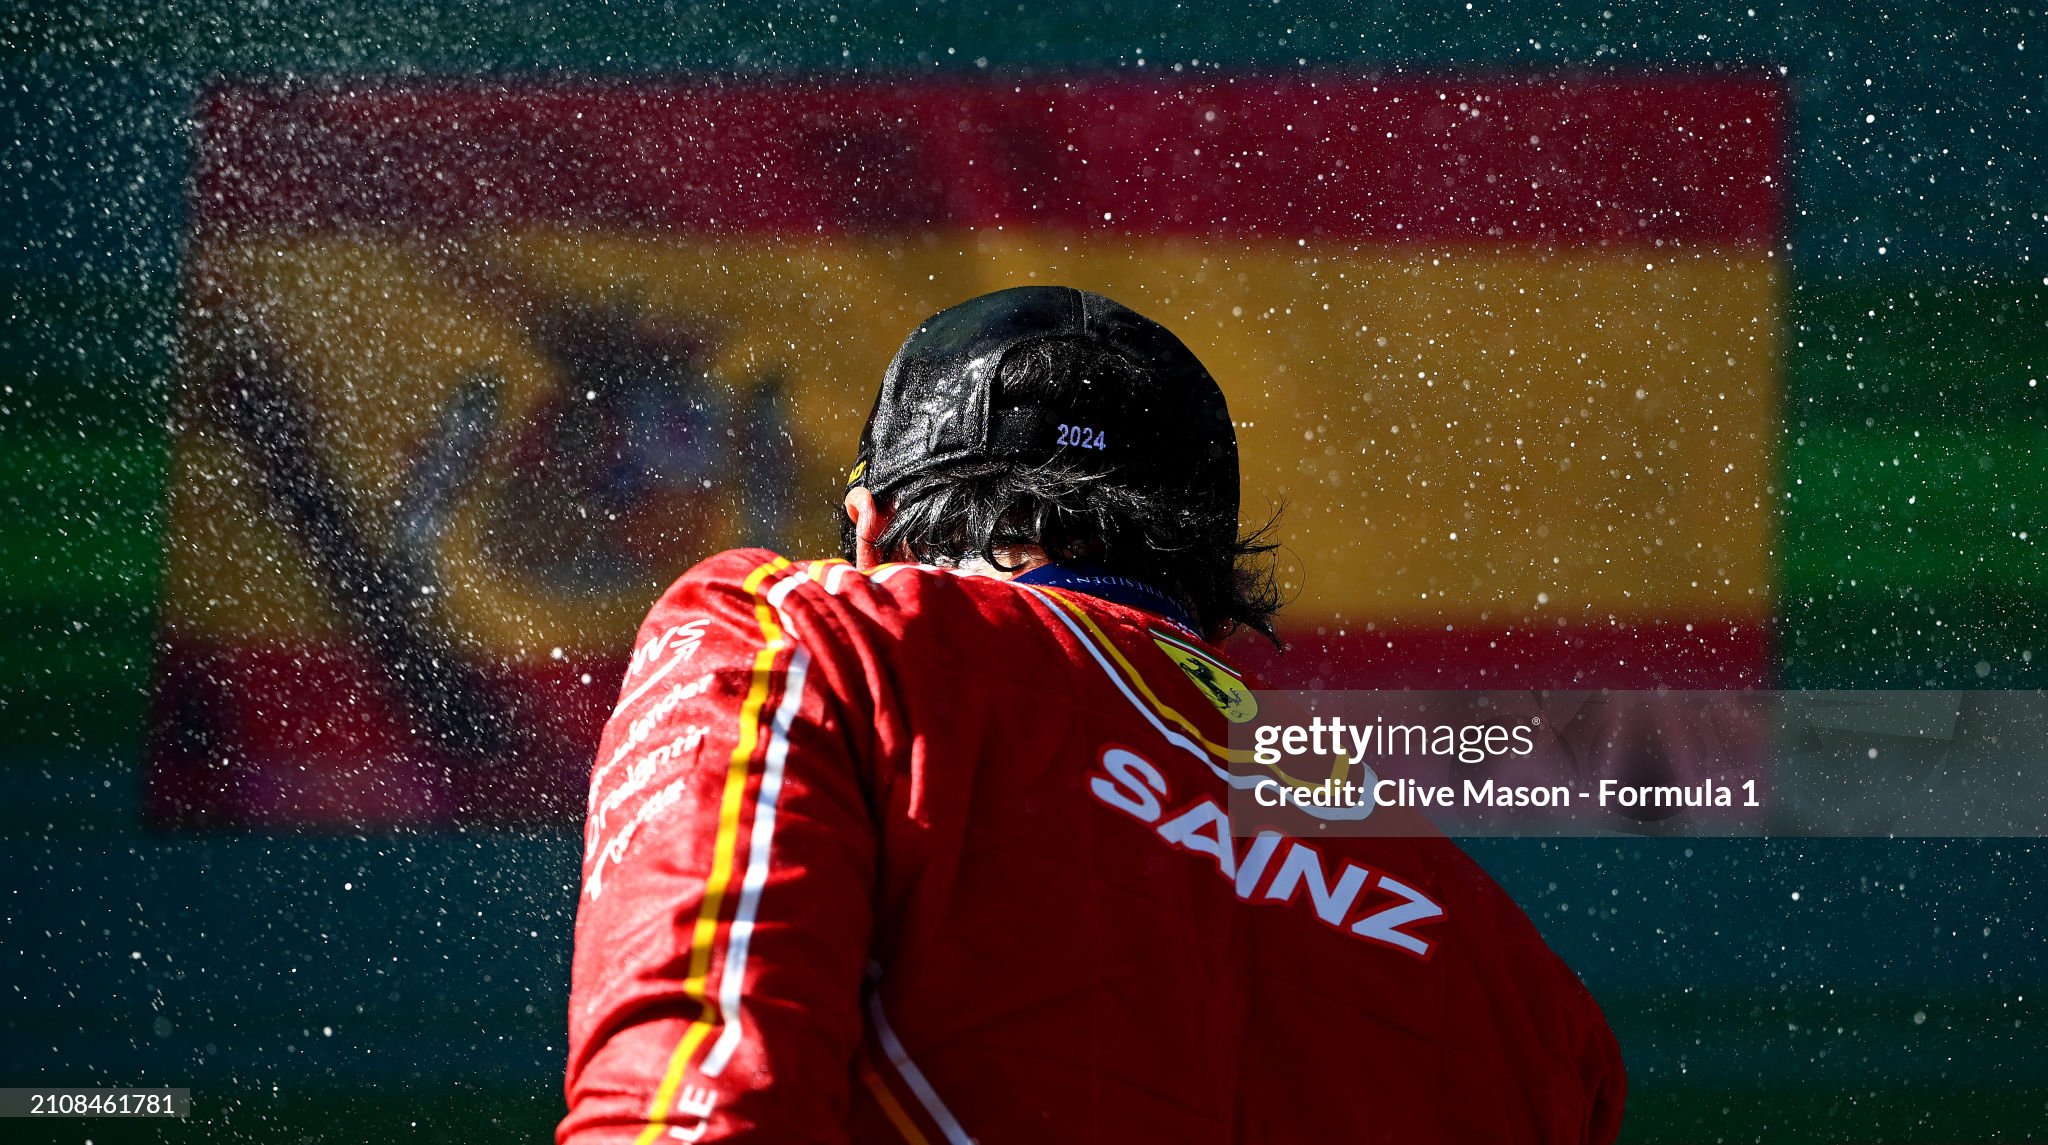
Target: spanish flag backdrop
point(473, 370)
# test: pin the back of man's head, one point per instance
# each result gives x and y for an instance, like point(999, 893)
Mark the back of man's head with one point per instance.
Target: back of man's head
point(1053, 419)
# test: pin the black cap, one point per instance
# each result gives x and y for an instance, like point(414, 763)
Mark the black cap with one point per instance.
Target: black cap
point(1154, 419)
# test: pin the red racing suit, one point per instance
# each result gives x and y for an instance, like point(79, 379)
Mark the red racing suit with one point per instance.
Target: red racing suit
point(916, 855)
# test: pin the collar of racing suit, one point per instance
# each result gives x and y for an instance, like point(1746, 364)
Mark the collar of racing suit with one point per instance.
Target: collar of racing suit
point(1099, 582)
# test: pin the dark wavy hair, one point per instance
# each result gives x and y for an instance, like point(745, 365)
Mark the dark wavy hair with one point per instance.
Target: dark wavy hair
point(977, 509)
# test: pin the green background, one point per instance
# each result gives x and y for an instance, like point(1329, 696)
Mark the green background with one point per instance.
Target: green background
point(345, 989)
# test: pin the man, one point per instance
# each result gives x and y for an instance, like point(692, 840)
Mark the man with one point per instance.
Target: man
point(926, 845)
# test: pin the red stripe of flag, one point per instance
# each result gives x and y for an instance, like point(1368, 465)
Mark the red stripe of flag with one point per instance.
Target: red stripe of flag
point(1563, 160)
point(1642, 654)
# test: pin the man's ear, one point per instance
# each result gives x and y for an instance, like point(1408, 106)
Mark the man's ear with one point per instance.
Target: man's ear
point(868, 524)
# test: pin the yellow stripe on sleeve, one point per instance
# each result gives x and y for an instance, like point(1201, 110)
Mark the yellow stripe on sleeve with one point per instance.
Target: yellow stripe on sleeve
point(705, 933)
point(898, 1116)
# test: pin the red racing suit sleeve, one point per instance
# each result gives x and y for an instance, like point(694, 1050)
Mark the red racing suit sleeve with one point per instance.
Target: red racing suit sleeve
point(728, 875)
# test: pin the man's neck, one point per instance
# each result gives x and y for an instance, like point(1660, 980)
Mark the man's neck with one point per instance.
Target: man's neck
point(1106, 585)
point(1010, 562)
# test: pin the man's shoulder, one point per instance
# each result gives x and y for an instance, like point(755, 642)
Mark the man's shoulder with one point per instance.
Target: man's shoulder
point(734, 567)
point(747, 570)
point(890, 590)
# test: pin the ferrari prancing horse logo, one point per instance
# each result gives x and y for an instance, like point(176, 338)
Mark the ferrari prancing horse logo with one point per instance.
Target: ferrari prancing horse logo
point(1225, 688)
